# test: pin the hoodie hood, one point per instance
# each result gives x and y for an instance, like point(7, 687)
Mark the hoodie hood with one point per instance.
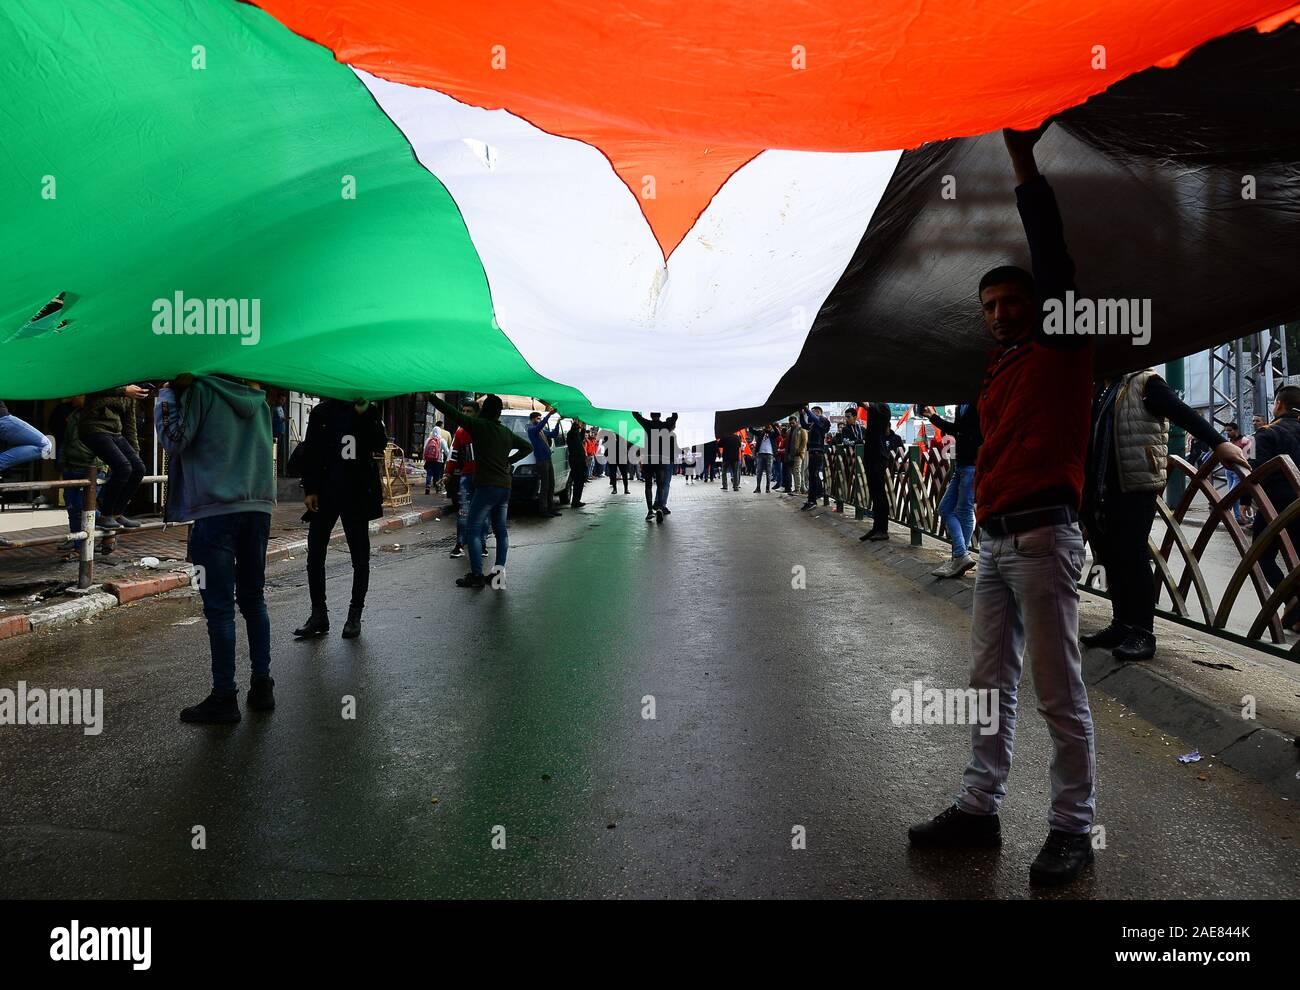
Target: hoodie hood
point(243, 400)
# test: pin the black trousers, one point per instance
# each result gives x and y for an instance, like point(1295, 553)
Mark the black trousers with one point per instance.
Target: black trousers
point(731, 469)
point(579, 476)
point(546, 479)
point(357, 530)
point(125, 469)
point(879, 493)
point(1268, 563)
point(816, 489)
point(1118, 533)
point(614, 471)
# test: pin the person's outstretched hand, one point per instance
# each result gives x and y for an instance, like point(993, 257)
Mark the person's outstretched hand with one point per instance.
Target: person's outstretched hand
point(1020, 146)
point(1229, 453)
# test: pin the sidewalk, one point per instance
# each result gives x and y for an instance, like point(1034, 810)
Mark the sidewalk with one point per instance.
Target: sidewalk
point(35, 580)
point(1195, 688)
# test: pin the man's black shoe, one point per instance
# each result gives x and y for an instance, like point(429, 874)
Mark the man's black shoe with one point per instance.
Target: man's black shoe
point(806, 506)
point(878, 535)
point(317, 625)
point(470, 580)
point(1063, 855)
point(666, 511)
point(649, 515)
point(659, 515)
point(553, 513)
point(953, 828)
point(352, 628)
point(1107, 638)
point(128, 523)
point(261, 697)
point(215, 709)
point(577, 505)
point(1139, 644)
point(864, 537)
point(457, 551)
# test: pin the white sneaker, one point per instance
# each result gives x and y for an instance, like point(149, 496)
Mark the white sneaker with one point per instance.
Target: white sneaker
point(955, 567)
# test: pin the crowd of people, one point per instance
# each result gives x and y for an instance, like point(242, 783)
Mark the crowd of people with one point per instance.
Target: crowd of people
point(1094, 460)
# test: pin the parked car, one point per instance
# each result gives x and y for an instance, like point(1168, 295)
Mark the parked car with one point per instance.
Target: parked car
point(525, 485)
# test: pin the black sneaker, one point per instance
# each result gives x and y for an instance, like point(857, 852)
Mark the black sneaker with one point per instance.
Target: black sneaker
point(1138, 644)
point(1062, 857)
point(470, 580)
point(261, 697)
point(659, 515)
point(878, 536)
point(649, 515)
point(953, 828)
point(666, 511)
point(457, 551)
point(215, 709)
point(806, 506)
point(1107, 638)
point(128, 523)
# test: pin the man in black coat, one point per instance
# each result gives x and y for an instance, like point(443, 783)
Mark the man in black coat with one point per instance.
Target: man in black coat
point(1282, 436)
point(341, 479)
point(875, 452)
point(576, 441)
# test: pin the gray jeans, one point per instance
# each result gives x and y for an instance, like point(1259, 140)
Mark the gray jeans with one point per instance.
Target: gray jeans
point(1026, 598)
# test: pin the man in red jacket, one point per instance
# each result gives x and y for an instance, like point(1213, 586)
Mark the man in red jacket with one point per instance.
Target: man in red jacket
point(1034, 408)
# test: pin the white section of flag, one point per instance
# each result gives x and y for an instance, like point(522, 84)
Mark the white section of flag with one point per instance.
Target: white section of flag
point(577, 279)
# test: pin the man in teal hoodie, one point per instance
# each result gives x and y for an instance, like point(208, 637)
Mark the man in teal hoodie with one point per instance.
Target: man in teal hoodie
point(221, 474)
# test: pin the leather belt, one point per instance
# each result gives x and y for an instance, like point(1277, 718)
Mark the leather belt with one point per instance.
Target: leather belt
point(1022, 522)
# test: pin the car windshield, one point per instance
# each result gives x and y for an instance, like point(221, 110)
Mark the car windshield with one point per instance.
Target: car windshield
point(516, 423)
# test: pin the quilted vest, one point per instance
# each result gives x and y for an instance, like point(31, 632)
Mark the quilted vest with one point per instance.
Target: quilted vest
point(1141, 438)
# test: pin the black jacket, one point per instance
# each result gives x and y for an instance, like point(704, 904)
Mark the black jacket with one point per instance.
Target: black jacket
point(966, 428)
point(1282, 436)
point(339, 457)
point(730, 448)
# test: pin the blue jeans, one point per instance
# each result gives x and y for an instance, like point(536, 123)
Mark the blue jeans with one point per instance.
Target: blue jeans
point(466, 488)
point(20, 442)
point(957, 509)
point(778, 472)
point(664, 476)
point(1027, 604)
point(75, 500)
point(489, 504)
point(231, 550)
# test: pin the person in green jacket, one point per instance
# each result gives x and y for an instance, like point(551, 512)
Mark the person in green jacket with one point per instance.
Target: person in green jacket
point(76, 462)
point(496, 449)
point(107, 428)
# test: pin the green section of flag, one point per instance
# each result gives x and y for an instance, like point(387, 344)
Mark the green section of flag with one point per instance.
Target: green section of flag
point(173, 165)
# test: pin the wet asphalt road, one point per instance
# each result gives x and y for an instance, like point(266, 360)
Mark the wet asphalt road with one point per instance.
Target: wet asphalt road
point(524, 710)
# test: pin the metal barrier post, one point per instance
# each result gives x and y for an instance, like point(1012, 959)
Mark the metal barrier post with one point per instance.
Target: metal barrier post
point(858, 511)
point(86, 564)
point(913, 478)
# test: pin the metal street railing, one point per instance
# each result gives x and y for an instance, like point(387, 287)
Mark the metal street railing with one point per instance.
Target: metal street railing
point(86, 556)
point(1178, 544)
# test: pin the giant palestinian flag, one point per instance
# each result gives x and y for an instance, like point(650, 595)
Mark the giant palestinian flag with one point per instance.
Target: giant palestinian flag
point(716, 207)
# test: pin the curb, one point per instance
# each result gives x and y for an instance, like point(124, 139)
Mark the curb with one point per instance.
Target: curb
point(14, 625)
point(1266, 754)
point(114, 593)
